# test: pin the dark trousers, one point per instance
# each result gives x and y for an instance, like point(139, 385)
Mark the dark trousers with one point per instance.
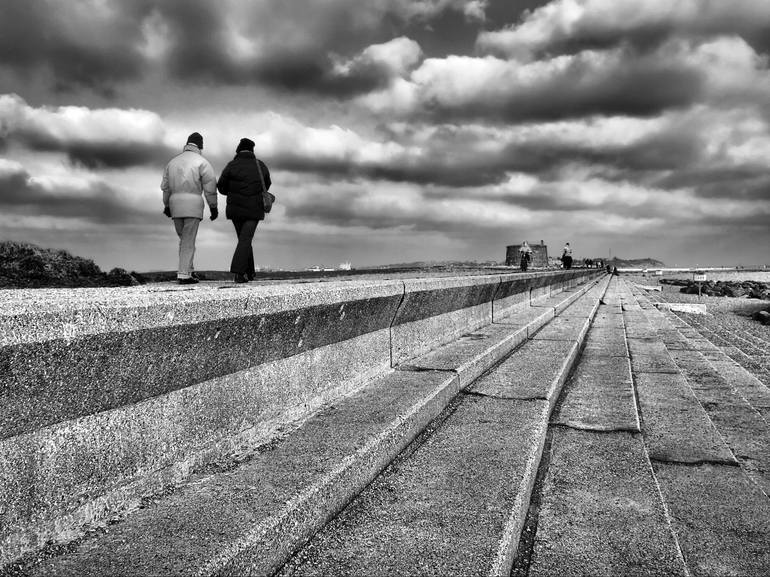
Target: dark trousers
point(243, 257)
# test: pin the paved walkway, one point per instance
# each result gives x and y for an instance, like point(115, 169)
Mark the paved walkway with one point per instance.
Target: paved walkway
point(656, 462)
point(607, 437)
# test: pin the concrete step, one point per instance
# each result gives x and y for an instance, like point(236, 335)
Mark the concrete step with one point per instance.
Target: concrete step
point(672, 500)
point(599, 511)
point(252, 516)
point(708, 448)
point(745, 431)
point(455, 501)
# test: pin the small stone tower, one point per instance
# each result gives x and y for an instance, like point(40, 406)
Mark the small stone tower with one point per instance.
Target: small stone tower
point(539, 255)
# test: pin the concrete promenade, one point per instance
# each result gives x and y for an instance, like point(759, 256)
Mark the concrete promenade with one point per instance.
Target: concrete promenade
point(577, 431)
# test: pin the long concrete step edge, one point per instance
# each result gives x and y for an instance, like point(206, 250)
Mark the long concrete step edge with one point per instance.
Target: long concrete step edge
point(511, 529)
point(396, 436)
point(288, 528)
point(514, 526)
point(473, 367)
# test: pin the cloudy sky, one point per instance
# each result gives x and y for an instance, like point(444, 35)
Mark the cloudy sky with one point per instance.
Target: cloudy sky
point(395, 130)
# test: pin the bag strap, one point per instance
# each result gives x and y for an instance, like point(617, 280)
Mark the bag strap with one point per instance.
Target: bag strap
point(261, 178)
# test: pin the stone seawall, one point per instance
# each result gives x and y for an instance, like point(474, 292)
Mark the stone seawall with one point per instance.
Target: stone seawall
point(110, 395)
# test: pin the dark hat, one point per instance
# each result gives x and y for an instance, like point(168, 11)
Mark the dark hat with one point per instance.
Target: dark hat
point(245, 144)
point(196, 139)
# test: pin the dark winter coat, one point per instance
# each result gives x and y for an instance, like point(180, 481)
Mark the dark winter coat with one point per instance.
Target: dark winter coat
point(240, 183)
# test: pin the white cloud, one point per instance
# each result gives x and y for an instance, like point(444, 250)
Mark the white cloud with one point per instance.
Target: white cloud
point(398, 56)
point(79, 124)
point(564, 20)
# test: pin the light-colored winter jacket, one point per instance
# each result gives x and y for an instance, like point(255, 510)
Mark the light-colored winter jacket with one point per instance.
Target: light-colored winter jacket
point(186, 177)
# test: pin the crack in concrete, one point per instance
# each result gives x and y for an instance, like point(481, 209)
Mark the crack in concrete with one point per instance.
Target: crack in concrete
point(491, 396)
point(695, 463)
point(630, 430)
point(416, 369)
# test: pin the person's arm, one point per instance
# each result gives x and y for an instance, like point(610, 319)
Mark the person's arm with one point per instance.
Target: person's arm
point(224, 181)
point(165, 187)
point(209, 183)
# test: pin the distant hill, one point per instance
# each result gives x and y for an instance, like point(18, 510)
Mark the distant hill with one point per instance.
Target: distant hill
point(24, 265)
point(635, 263)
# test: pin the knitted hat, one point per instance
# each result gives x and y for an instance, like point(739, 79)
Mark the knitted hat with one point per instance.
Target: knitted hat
point(245, 144)
point(196, 139)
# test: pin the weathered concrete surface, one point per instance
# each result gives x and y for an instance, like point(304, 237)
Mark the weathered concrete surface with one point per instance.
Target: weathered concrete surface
point(537, 371)
point(513, 294)
point(437, 311)
point(742, 427)
point(250, 518)
point(722, 520)
point(649, 355)
point(599, 396)
point(472, 353)
point(453, 507)
point(749, 387)
point(69, 474)
point(110, 395)
point(606, 341)
point(144, 350)
point(533, 318)
point(601, 512)
point(564, 329)
point(676, 428)
point(692, 308)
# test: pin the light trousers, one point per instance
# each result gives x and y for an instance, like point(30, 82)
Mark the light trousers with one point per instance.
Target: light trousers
point(187, 230)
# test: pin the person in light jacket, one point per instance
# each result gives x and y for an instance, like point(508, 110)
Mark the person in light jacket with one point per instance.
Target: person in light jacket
point(242, 181)
point(526, 256)
point(566, 256)
point(186, 179)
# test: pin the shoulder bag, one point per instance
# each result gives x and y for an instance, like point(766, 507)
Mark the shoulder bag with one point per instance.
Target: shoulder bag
point(268, 198)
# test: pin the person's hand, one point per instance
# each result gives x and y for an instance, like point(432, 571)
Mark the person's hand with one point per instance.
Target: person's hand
point(167, 211)
point(214, 212)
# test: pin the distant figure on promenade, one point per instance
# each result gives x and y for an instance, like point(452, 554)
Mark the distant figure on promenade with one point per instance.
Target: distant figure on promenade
point(186, 178)
point(526, 256)
point(242, 181)
point(566, 256)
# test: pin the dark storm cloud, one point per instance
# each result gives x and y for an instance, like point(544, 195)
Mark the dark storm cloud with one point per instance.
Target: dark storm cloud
point(747, 182)
point(96, 155)
point(80, 45)
point(95, 201)
point(297, 43)
point(632, 85)
point(453, 157)
point(347, 214)
point(75, 44)
point(660, 152)
point(449, 171)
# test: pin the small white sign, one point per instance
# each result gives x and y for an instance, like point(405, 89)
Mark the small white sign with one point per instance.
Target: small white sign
point(699, 277)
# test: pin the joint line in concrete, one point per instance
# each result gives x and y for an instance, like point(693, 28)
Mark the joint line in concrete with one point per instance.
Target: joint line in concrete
point(393, 320)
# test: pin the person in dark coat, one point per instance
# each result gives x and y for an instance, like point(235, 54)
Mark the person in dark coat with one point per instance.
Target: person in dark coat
point(241, 183)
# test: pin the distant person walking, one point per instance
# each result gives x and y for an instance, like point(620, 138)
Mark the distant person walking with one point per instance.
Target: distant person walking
point(186, 178)
point(526, 256)
point(242, 181)
point(566, 256)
